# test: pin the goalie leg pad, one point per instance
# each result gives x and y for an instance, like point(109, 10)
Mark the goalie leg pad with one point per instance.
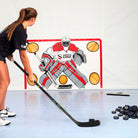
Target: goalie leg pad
point(56, 69)
point(75, 75)
point(45, 81)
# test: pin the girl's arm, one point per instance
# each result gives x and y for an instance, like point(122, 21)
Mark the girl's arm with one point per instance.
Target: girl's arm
point(26, 63)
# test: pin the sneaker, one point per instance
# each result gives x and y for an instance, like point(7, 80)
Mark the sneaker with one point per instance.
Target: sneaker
point(6, 113)
point(4, 122)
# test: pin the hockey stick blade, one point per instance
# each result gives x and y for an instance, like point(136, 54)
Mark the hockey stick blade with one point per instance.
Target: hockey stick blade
point(91, 123)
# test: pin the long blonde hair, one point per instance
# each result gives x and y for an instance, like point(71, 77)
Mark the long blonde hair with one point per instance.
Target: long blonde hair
point(24, 15)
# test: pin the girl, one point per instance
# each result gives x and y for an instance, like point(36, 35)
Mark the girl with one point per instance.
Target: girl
point(11, 38)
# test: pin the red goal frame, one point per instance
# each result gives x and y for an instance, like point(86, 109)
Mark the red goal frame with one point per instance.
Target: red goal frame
point(75, 39)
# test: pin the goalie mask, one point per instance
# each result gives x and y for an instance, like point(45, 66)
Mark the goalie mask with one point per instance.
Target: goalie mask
point(65, 41)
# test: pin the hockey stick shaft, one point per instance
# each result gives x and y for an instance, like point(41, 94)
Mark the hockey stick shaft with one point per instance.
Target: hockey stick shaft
point(50, 97)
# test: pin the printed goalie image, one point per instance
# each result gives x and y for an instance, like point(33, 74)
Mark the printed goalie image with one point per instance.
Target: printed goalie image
point(60, 65)
point(62, 57)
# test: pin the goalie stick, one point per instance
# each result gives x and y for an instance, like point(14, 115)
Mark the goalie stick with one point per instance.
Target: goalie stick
point(90, 123)
point(33, 48)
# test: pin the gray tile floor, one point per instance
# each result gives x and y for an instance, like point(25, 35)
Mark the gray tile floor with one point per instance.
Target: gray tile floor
point(38, 117)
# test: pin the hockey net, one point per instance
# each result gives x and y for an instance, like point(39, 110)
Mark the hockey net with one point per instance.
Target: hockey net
point(92, 69)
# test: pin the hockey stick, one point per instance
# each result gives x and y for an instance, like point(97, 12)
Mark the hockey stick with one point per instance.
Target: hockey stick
point(33, 48)
point(90, 123)
point(118, 94)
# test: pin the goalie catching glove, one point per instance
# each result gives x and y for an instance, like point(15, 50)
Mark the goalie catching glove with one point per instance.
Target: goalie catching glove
point(79, 57)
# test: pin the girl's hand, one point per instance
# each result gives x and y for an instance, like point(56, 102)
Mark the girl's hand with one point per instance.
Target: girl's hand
point(31, 78)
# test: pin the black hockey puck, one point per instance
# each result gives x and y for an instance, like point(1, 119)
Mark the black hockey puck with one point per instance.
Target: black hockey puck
point(120, 107)
point(126, 107)
point(126, 117)
point(121, 110)
point(136, 114)
point(134, 108)
point(130, 114)
point(120, 114)
point(116, 117)
point(117, 109)
point(113, 112)
point(126, 112)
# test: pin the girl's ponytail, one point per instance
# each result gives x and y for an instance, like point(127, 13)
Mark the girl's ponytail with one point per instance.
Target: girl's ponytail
point(10, 29)
point(25, 14)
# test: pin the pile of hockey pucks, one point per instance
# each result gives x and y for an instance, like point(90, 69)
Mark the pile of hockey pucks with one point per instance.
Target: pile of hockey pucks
point(126, 112)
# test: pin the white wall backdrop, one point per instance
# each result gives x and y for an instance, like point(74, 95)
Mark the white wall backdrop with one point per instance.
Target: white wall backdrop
point(115, 22)
point(120, 44)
